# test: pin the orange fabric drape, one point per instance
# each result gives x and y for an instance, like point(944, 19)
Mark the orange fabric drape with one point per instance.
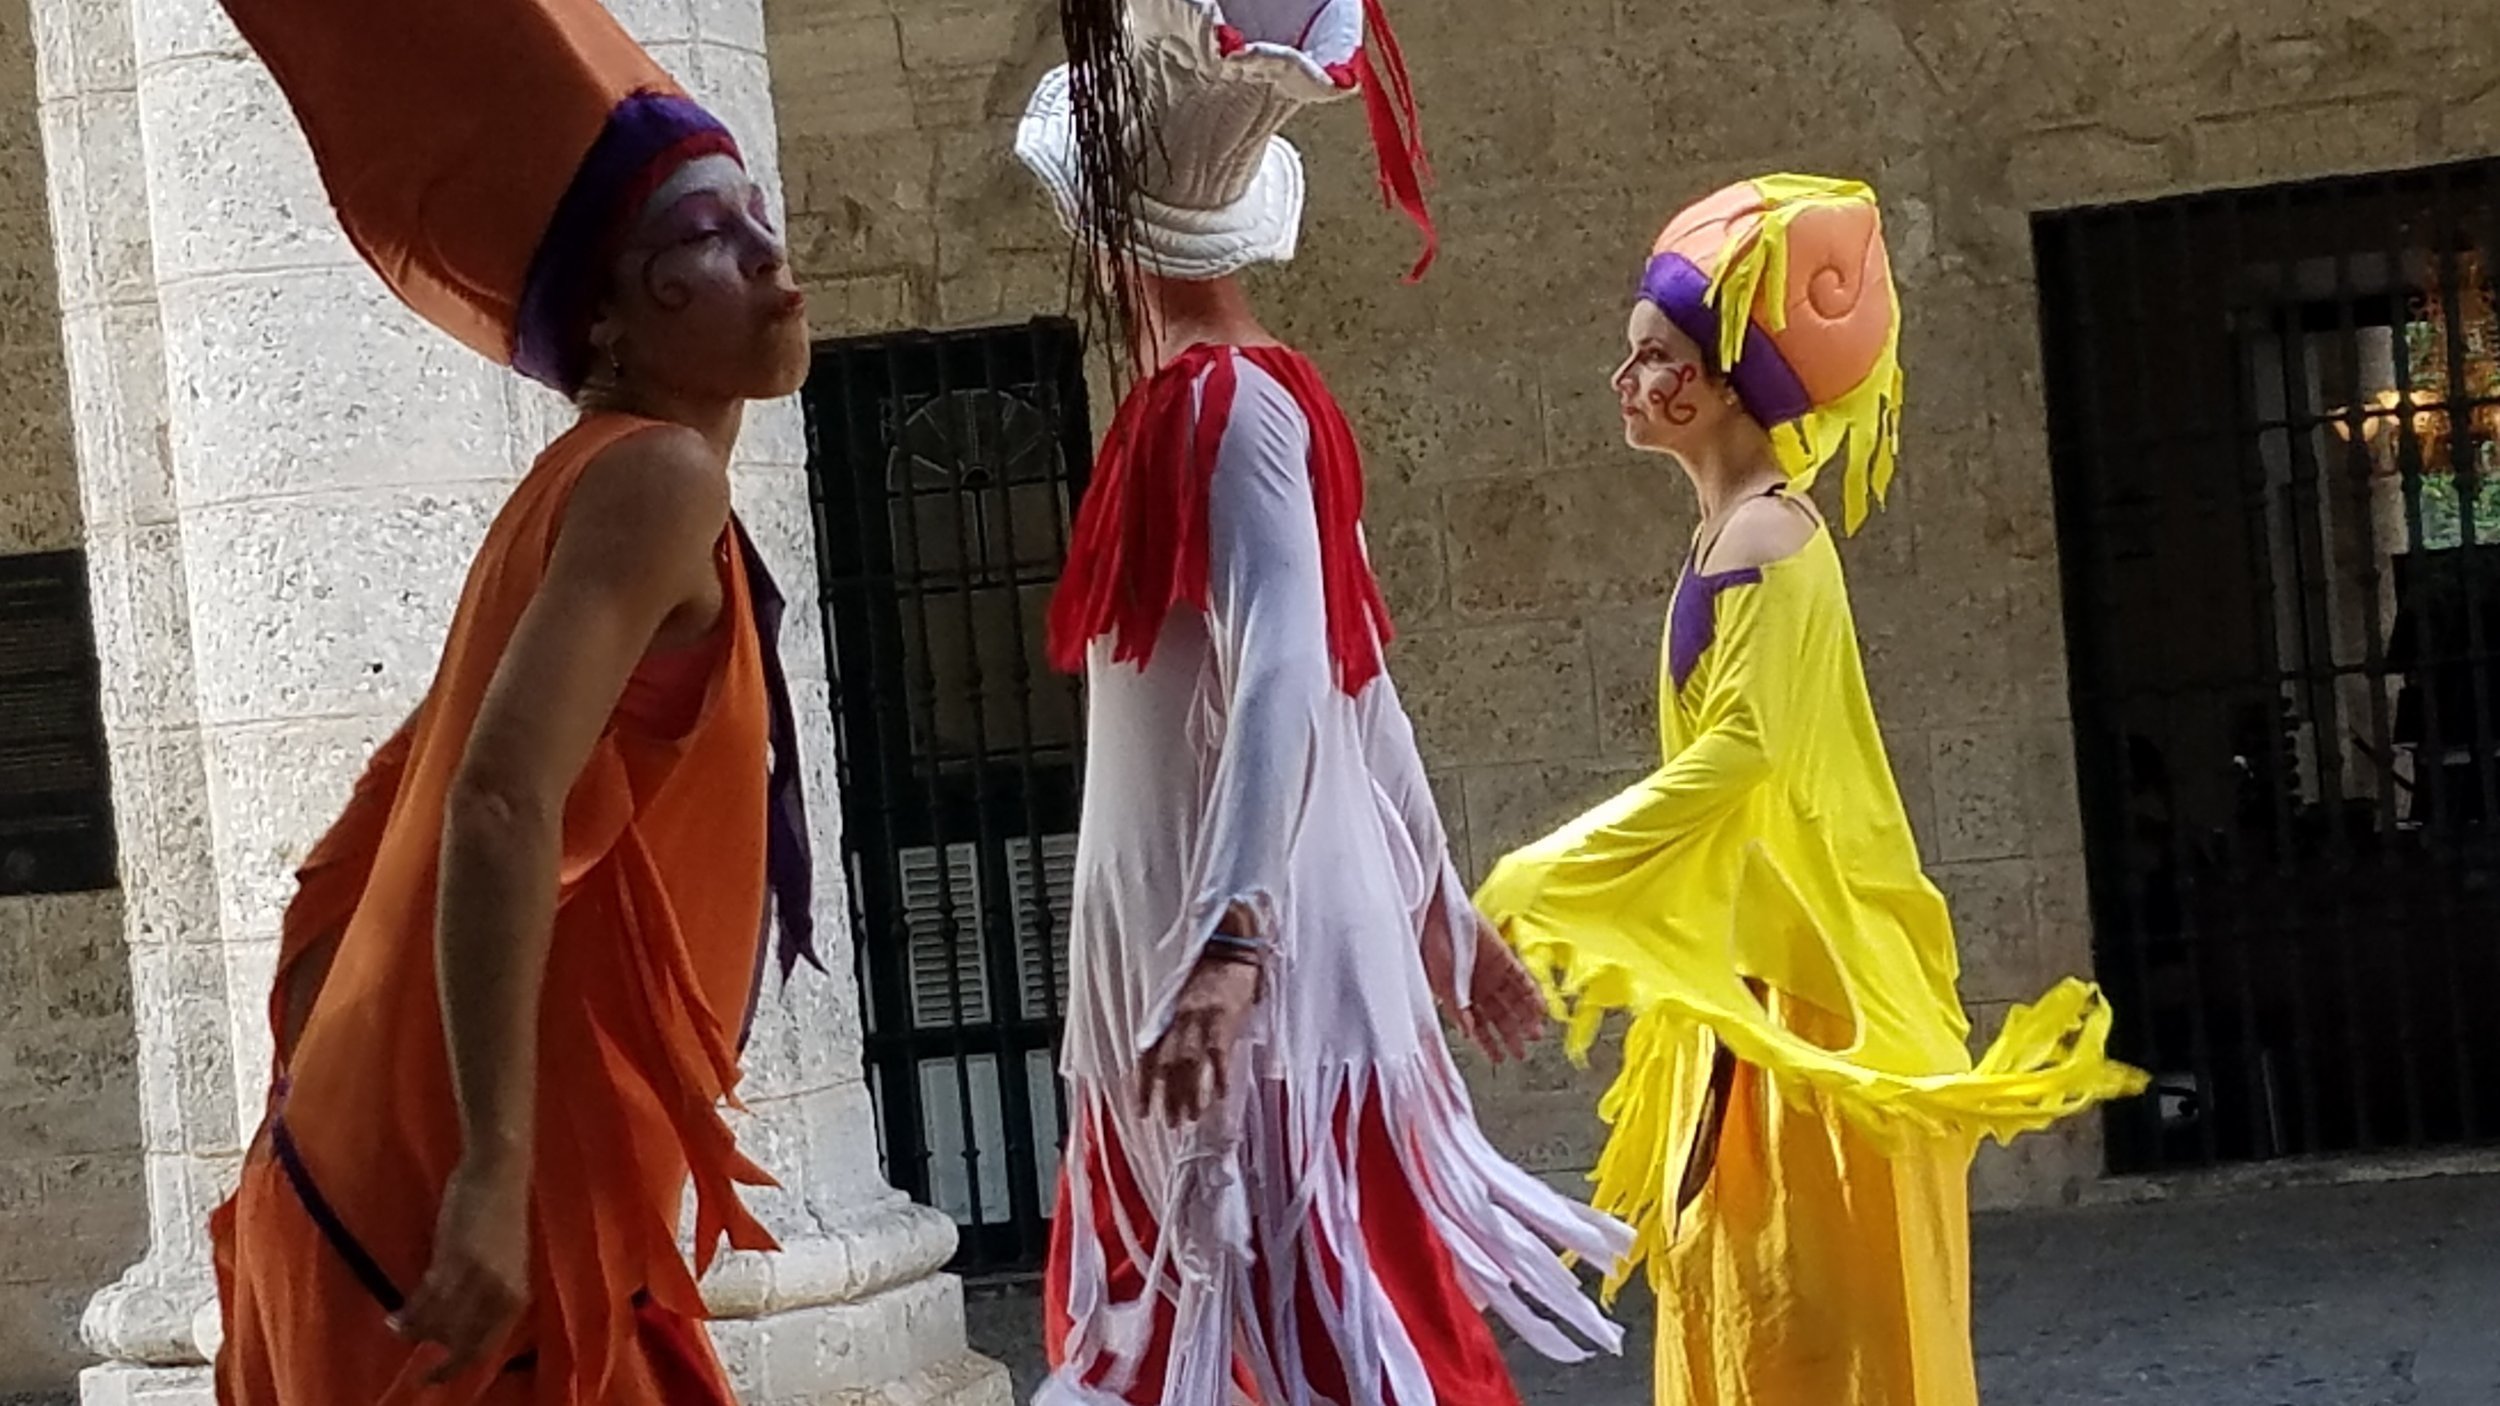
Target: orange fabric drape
point(656, 948)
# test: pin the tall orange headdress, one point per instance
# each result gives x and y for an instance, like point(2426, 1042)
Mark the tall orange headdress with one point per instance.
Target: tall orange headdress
point(482, 154)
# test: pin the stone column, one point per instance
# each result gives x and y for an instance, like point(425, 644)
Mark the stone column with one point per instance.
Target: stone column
point(112, 342)
point(293, 472)
point(855, 1307)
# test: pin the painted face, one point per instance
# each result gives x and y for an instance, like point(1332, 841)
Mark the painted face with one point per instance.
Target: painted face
point(1669, 398)
point(704, 301)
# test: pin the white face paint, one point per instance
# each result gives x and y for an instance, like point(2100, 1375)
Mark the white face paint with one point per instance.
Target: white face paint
point(709, 208)
point(705, 302)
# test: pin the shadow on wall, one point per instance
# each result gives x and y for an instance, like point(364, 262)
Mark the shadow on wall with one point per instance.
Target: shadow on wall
point(72, 1202)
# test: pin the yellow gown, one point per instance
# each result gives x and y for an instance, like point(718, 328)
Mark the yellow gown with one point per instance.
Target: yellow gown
point(1761, 893)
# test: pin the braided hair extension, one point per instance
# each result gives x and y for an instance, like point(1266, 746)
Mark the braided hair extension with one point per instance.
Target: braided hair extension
point(1111, 159)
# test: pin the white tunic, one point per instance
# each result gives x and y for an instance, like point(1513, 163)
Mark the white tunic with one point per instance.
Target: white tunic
point(1233, 769)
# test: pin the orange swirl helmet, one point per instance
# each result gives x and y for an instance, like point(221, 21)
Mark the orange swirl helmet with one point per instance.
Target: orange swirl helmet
point(1785, 284)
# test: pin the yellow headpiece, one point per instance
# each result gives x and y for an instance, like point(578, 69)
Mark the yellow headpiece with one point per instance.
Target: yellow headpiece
point(1785, 283)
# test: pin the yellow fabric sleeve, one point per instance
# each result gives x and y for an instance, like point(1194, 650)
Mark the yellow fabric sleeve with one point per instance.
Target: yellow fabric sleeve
point(1741, 719)
point(1768, 857)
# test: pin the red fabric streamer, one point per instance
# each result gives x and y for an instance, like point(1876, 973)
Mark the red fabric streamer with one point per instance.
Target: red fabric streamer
point(1397, 131)
point(1139, 550)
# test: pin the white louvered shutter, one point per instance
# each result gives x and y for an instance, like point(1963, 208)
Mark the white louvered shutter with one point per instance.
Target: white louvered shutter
point(948, 987)
point(1042, 950)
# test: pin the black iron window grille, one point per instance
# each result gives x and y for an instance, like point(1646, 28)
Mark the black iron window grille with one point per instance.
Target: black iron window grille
point(56, 797)
point(944, 468)
point(2275, 426)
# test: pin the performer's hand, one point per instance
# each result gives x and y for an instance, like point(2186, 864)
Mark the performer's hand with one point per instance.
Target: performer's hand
point(1504, 1011)
point(1509, 1005)
point(1440, 953)
point(475, 1290)
point(1191, 1066)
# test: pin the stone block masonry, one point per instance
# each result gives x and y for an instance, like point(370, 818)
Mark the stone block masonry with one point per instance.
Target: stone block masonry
point(1525, 551)
point(72, 1202)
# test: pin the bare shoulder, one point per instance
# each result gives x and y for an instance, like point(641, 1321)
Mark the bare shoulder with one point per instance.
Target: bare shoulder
point(661, 492)
point(1764, 531)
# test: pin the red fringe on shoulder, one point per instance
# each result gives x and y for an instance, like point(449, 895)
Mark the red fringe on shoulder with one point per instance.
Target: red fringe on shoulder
point(1140, 545)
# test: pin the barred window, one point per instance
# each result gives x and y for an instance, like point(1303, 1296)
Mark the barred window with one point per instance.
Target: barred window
point(56, 804)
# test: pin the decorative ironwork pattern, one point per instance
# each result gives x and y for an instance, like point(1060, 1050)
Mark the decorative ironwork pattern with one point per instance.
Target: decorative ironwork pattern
point(2272, 418)
point(944, 469)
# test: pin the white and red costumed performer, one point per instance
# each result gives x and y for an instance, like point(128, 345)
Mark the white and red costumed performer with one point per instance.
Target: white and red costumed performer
point(1274, 1184)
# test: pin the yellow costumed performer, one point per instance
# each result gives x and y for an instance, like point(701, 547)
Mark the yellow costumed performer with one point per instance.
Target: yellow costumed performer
point(1798, 1109)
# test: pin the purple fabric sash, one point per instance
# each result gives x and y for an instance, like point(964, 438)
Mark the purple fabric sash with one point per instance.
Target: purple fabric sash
point(789, 861)
point(325, 1218)
point(1692, 618)
point(343, 1242)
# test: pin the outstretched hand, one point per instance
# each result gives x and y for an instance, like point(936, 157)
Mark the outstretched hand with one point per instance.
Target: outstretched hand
point(1509, 1005)
point(1504, 1011)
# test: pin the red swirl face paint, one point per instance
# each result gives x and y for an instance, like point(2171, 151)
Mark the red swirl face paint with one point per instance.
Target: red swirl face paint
point(1670, 401)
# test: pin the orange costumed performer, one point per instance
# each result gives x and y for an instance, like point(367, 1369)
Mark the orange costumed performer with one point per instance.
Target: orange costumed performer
point(514, 980)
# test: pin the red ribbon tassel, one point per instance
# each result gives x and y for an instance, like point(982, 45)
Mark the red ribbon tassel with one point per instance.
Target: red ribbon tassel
point(1397, 132)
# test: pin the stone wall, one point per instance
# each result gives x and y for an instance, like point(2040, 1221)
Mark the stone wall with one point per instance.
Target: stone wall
point(1525, 551)
point(71, 1207)
point(71, 1210)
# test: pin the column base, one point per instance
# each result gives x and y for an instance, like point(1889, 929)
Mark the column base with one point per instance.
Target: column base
point(792, 1359)
point(968, 1379)
point(152, 1315)
point(902, 1347)
point(123, 1384)
point(855, 1317)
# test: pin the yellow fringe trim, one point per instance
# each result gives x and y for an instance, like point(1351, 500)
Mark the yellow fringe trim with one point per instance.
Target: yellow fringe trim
point(1861, 428)
point(2050, 1062)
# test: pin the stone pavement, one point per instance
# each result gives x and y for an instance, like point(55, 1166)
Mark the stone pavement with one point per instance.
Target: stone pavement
point(2368, 1294)
point(2384, 1294)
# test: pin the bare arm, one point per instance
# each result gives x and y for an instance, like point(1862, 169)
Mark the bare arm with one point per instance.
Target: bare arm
point(1763, 531)
point(633, 556)
point(635, 550)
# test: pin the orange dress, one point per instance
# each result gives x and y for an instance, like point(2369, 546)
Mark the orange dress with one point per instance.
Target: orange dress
point(657, 953)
